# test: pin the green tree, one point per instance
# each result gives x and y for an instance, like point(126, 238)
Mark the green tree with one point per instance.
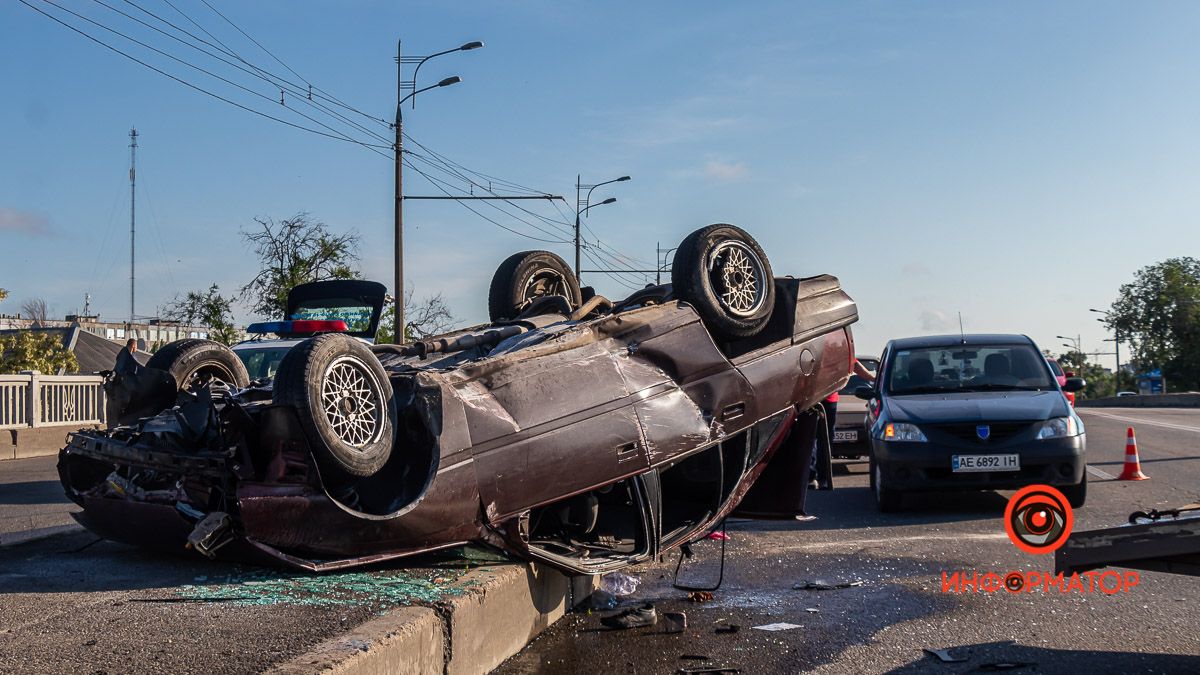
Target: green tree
point(293, 252)
point(1158, 315)
point(431, 316)
point(1100, 381)
point(205, 308)
point(31, 350)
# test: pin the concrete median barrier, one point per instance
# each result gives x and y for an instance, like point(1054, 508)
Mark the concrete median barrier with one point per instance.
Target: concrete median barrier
point(1188, 400)
point(503, 608)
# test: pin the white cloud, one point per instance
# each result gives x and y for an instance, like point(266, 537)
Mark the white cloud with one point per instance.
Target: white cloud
point(20, 222)
point(725, 171)
point(935, 320)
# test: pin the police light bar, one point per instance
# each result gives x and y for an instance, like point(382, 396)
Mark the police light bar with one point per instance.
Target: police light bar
point(298, 326)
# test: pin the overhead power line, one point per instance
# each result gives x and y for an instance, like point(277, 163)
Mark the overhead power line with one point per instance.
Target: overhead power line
point(276, 82)
point(185, 82)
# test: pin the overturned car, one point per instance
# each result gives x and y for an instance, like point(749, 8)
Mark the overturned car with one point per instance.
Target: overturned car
point(571, 430)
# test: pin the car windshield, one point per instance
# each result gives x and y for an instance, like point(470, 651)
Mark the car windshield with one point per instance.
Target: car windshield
point(1058, 371)
point(968, 368)
point(261, 363)
point(356, 315)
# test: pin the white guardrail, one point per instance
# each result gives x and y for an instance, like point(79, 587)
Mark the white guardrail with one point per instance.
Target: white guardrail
point(31, 399)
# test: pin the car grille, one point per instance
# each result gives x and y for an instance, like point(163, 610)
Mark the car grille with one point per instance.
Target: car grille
point(1000, 431)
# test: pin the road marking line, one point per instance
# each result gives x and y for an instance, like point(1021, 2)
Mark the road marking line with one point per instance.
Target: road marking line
point(872, 542)
point(1099, 473)
point(1142, 420)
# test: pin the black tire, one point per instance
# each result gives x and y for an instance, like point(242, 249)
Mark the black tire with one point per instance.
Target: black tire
point(1076, 494)
point(526, 276)
point(887, 500)
point(187, 360)
point(722, 272)
point(347, 440)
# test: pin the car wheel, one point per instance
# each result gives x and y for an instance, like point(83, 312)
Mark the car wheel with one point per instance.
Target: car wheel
point(344, 400)
point(191, 361)
point(887, 500)
point(525, 277)
point(1076, 494)
point(722, 272)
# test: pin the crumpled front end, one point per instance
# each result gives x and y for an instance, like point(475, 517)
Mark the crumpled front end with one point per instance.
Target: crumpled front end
point(232, 476)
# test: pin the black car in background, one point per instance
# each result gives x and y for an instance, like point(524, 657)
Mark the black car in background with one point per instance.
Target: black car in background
point(971, 412)
point(850, 431)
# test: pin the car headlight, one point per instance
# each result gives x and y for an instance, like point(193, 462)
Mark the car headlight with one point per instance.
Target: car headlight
point(902, 431)
point(1058, 427)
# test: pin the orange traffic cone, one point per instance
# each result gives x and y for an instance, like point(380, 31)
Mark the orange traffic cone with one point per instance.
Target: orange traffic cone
point(1133, 467)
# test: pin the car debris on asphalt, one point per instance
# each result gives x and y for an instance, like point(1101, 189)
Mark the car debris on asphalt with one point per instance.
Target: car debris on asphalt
point(634, 617)
point(775, 627)
point(674, 622)
point(820, 585)
point(944, 655)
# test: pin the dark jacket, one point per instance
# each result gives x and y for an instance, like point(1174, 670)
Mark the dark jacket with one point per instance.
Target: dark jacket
point(126, 364)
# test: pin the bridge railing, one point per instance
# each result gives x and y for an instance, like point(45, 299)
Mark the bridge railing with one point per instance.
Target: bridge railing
point(30, 399)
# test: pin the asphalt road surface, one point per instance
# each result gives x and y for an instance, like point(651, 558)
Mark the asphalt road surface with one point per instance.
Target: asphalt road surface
point(900, 609)
point(74, 603)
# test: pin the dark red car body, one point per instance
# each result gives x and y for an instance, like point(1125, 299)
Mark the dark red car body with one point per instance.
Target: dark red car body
point(589, 445)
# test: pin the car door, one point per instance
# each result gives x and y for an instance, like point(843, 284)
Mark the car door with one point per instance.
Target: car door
point(551, 421)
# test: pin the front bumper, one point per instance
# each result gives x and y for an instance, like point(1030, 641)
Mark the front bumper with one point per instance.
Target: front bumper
point(927, 466)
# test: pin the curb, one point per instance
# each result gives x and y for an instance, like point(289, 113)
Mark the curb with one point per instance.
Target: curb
point(500, 611)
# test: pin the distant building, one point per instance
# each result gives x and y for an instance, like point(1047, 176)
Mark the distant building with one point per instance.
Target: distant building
point(149, 334)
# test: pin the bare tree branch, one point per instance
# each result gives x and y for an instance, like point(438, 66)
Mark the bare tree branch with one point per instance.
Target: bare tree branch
point(35, 308)
point(293, 252)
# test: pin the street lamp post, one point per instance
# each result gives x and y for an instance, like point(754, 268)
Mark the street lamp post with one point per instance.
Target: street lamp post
point(1116, 346)
point(1078, 347)
point(580, 210)
point(398, 217)
point(661, 262)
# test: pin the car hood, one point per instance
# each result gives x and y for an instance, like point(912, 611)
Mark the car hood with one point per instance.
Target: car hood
point(977, 407)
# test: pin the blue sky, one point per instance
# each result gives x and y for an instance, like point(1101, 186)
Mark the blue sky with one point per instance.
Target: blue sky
point(1015, 162)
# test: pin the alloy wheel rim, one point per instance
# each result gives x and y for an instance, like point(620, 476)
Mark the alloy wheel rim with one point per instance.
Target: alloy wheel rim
point(352, 401)
point(544, 281)
point(738, 278)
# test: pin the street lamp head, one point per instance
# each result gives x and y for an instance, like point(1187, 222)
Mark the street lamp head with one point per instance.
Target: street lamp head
point(610, 200)
point(1062, 337)
point(454, 79)
point(622, 178)
point(1098, 311)
point(471, 45)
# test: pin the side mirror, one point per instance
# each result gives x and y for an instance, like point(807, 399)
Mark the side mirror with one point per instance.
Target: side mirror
point(1074, 384)
point(864, 392)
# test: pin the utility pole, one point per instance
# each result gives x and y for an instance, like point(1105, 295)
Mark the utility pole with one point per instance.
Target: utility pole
point(398, 337)
point(577, 177)
point(398, 146)
point(133, 134)
point(582, 206)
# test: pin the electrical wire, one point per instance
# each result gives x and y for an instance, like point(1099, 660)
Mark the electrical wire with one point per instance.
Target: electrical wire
point(274, 81)
point(549, 221)
point(229, 52)
point(206, 72)
point(438, 186)
point(256, 42)
point(189, 84)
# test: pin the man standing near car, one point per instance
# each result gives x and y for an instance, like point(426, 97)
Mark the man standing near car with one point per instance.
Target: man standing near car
point(822, 470)
point(126, 363)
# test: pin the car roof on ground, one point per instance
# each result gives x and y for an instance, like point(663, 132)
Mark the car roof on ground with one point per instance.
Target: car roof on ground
point(960, 340)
